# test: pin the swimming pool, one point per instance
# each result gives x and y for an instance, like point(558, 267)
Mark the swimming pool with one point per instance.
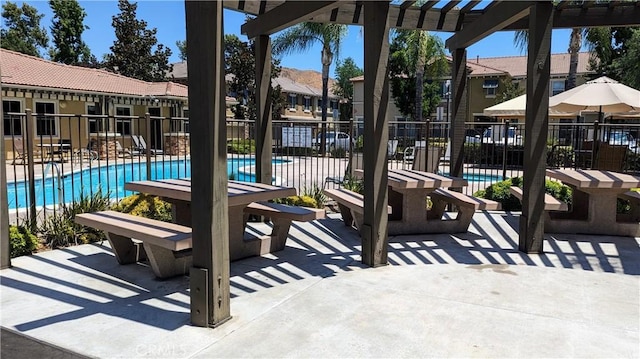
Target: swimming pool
point(479, 177)
point(50, 190)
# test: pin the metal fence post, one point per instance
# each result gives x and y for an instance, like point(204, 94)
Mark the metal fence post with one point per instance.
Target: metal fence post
point(504, 149)
point(147, 150)
point(596, 145)
point(427, 130)
point(30, 170)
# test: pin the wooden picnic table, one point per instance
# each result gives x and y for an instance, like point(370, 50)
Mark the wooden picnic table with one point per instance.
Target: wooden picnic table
point(240, 195)
point(594, 202)
point(408, 192)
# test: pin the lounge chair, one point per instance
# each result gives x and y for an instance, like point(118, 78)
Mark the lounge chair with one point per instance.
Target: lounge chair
point(610, 157)
point(125, 152)
point(434, 154)
point(19, 152)
point(141, 145)
point(392, 149)
point(359, 164)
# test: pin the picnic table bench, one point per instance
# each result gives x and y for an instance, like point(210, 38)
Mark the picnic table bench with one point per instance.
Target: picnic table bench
point(550, 202)
point(166, 245)
point(467, 206)
point(351, 205)
point(281, 215)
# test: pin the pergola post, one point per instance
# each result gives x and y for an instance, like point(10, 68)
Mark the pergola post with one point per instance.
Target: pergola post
point(263, 129)
point(536, 127)
point(459, 110)
point(209, 276)
point(374, 231)
point(5, 246)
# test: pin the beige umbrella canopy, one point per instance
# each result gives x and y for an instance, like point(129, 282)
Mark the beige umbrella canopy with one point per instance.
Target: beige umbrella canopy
point(600, 95)
point(516, 107)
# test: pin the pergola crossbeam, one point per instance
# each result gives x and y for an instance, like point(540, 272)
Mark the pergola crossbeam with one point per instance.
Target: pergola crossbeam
point(495, 19)
point(285, 15)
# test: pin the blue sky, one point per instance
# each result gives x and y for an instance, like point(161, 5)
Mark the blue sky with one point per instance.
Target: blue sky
point(168, 17)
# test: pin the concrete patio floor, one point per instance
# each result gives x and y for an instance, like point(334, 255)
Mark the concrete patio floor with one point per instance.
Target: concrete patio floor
point(467, 295)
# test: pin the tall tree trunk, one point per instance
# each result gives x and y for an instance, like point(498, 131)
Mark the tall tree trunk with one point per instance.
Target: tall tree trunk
point(420, 62)
point(575, 43)
point(327, 57)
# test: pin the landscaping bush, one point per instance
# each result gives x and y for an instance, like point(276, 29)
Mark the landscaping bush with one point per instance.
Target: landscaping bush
point(353, 184)
point(315, 193)
point(60, 230)
point(339, 153)
point(145, 206)
point(241, 146)
point(499, 192)
point(302, 201)
point(22, 241)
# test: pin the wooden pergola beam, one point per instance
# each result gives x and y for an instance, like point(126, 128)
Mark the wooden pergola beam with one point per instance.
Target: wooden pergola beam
point(374, 231)
point(5, 245)
point(626, 14)
point(264, 125)
point(531, 234)
point(469, 6)
point(285, 15)
point(209, 277)
point(493, 20)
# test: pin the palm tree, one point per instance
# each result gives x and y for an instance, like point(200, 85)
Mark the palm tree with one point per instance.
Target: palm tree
point(301, 38)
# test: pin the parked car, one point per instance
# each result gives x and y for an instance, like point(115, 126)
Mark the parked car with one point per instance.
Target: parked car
point(334, 140)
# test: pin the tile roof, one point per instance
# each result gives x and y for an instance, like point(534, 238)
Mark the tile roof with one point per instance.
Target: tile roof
point(516, 66)
point(24, 70)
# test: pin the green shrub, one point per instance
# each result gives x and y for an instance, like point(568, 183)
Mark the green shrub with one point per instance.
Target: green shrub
point(315, 193)
point(353, 184)
point(241, 146)
point(499, 192)
point(60, 230)
point(22, 241)
point(338, 153)
point(145, 206)
point(302, 201)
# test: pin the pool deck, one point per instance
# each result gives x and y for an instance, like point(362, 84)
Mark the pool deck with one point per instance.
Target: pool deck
point(466, 295)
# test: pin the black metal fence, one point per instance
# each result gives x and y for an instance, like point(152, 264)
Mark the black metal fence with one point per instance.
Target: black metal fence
point(53, 158)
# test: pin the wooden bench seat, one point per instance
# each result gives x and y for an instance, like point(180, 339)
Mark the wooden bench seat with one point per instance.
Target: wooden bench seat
point(466, 207)
point(550, 203)
point(166, 245)
point(351, 205)
point(281, 215)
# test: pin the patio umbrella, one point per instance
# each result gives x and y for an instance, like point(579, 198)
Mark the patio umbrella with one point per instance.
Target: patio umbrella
point(516, 108)
point(600, 95)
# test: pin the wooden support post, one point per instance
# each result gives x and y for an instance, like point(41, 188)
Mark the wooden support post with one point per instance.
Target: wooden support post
point(458, 111)
point(210, 288)
point(147, 150)
point(263, 129)
point(536, 127)
point(376, 131)
point(5, 245)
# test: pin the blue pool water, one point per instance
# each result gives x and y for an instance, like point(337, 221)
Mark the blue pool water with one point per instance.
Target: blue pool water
point(111, 178)
point(479, 177)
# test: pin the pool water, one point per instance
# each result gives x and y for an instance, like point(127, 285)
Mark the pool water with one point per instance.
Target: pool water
point(112, 179)
point(479, 177)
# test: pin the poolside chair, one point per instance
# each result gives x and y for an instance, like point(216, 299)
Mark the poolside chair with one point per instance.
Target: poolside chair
point(19, 152)
point(434, 154)
point(125, 152)
point(409, 152)
point(392, 149)
point(447, 153)
point(356, 163)
point(141, 145)
point(610, 157)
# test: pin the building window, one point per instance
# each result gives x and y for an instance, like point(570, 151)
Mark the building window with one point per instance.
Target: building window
point(123, 125)
point(490, 87)
point(293, 101)
point(96, 124)
point(45, 125)
point(307, 104)
point(557, 86)
point(319, 104)
point(334, 104)
point(12, 123)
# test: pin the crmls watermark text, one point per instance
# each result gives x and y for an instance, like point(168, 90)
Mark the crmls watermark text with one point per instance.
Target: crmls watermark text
point(161, 350)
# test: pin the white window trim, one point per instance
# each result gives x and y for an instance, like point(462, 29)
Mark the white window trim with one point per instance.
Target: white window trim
point(307, 109)
point(56, 119)
point(22, 108)
point(292, 109)
point(86, 111)
point(115, 111)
